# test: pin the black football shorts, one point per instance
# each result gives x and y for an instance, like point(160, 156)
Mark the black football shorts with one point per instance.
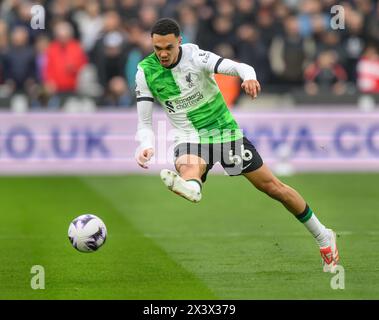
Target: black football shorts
point(236, 157)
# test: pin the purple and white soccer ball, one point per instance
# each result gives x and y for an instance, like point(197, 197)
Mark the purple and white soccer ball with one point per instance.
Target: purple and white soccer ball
point(87, 233)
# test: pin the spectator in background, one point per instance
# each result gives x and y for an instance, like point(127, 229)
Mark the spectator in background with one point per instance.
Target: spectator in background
point(60, 10)
point(372, 25)
point(319, 24)
point(8, 11)
point(109, 5)
point(365, 7)
point(39, 96)
point(111, 22)
point(290, 53)
point(221, 32)
point(21, 18)
point(19, 62)
point(111, 49)
point(311, 19)
point(129, 9)
point(203, 8)
point(141, 48)
point(90, 24)
point(112, 61)
point(330, 40)
point(325, 76)
point(245, 12)
point(252, 51)
point(354, 42)
point(3, 36)
point(282, 10)
point(267, 4)
point(269, 28)
point(117, 94)
point(148, 15)
point(368, 70)
point(205, 13)
point(225, 8)
point(65, 59)
point(41, 46)
point(188, 22)
point(3, 47)
point(1, 69)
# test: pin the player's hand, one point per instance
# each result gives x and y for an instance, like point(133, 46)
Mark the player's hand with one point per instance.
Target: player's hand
point(144, 156)
point(251, 87)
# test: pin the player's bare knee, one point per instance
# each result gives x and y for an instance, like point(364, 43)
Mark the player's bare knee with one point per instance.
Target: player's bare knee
point(190, 167)
point(186, 168)
point(188, 171)
point(189, 160)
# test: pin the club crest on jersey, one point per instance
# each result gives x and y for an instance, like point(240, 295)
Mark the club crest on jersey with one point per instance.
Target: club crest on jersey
point(189, 80)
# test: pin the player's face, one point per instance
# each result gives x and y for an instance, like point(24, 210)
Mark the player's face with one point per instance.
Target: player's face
point(166, 48)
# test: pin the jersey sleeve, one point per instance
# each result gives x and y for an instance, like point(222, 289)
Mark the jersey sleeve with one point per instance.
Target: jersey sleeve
point(207, 60)
point(143, 92)
point(145, 133)
point(232, 68)
point(213, 63)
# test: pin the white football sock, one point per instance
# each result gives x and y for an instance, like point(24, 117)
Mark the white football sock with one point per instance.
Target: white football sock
point(318, 230)
point(194, 185)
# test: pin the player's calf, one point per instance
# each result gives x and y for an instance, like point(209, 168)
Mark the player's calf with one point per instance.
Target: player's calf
point(275, 189)
point(283, 193)
point(265, 181)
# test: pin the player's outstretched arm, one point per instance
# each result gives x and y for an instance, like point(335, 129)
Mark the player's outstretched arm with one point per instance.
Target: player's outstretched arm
point(145, 133)
point(247, 73)
point(213, 63)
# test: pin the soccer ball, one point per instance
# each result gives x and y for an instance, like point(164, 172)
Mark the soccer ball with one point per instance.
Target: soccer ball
point(87, 233)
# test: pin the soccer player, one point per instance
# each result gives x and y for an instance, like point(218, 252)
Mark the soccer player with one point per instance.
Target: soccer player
point(181, 78)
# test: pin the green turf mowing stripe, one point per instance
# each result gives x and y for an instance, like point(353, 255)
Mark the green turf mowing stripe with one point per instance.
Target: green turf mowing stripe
point(35, 216)
point(243, 245)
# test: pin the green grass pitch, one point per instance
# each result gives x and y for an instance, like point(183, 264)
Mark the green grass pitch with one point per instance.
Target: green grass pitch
point(235, 244)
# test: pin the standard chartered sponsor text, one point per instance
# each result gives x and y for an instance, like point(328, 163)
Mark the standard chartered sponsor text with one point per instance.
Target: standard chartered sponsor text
point(188, 101)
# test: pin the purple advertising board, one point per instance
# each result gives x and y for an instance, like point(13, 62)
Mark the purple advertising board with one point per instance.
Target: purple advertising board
point(104, 142)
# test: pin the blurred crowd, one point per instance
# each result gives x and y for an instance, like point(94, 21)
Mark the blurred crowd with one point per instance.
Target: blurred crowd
point(89, 49)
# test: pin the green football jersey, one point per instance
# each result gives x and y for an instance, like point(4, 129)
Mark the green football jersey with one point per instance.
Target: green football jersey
point(190, 95)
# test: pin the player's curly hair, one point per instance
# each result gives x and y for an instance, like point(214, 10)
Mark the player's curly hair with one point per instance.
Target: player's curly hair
point(166, 26)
